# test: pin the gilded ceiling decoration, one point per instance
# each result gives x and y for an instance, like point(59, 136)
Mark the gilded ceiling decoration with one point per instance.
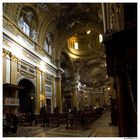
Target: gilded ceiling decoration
point(87, 44)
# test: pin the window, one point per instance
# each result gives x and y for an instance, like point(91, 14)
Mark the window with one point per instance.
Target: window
point(47, 47)
point(28, 22)
point(48, 89)
point(76, 45)
point(24, 26)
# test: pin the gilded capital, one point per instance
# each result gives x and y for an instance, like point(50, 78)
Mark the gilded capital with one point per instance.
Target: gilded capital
point(5, 52)
point(13, 58)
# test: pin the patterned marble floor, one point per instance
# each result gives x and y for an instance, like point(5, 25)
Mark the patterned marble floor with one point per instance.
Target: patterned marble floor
point(99, 128)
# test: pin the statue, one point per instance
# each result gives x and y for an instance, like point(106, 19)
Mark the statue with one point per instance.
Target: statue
point(20, 22)
point(34, 35)
point(29, 16)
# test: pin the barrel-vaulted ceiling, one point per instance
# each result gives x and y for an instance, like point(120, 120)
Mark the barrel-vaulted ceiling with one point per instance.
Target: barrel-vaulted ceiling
point(67, 20)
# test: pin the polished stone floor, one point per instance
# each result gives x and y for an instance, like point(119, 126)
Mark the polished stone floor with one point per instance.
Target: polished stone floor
point(99, 128)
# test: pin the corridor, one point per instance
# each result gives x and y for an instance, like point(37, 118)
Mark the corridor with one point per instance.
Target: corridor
point(99, 128)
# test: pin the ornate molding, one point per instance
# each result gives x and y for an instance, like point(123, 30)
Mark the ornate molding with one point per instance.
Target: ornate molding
point(6, 53)
point(10, 26)
point(6, 8)
point(13, 58)
point(17, 12)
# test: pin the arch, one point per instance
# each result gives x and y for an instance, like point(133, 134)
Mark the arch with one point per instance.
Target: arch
point(28, 8)
point(63, 39)
point(44, 29)
point(28, 22)
point(26, 96)
point(7, 8)
point(22, 78)
point(17, 12)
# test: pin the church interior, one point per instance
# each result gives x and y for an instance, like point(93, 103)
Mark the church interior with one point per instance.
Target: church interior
point(69, 69)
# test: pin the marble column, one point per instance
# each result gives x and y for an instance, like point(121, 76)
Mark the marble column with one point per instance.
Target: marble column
point(53, 98)
point(58, 94)
point(6, 67)
point(58, 87)
point(74, 98)
point(43, 89)
point(38, 89)
point(13, 67)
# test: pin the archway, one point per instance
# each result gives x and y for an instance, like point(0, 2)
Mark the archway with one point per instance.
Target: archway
point(26, 96)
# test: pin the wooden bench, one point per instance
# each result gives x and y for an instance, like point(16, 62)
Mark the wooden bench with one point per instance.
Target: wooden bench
point(49, 119)
point(83, 120)
point(7, 126)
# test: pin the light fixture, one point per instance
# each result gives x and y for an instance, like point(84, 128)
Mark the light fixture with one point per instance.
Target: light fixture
point(76, 45)
point(105, 64)
point(100, 38)
point(108, 88)
point(88, 32)
point(42, 97)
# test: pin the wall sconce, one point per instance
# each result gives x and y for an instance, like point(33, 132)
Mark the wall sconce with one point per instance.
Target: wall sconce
point(42, 97)
point(100, 38)
point(105, 64)
point(108, 88)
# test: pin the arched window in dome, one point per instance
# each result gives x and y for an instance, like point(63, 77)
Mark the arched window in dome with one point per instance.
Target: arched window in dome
point(28, 22)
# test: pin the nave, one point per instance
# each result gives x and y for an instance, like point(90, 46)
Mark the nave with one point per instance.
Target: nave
point(59, 57)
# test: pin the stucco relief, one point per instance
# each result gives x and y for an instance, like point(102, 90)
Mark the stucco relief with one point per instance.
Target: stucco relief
point(10, 26)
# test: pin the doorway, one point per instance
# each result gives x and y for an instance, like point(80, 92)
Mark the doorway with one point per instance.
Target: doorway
point(48, 103)
point(26, 97)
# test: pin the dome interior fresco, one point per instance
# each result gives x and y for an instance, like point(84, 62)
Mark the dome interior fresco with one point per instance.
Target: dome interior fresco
point(87, 43)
